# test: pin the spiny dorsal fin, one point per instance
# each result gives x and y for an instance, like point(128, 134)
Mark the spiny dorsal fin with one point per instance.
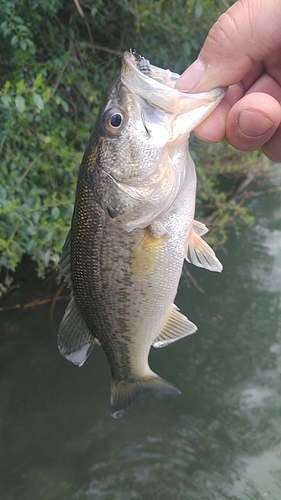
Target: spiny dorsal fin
point(75, 341)
point(176, 327)
point(199, 253)
point(145, 255)
point(64, 262)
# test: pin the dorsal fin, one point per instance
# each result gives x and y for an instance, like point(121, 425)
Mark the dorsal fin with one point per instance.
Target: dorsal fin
point(64, 262)
point(199, 253)
point(75, 341)
point(176, 327)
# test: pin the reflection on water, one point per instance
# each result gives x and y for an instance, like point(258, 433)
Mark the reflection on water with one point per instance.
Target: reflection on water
point(220, 440)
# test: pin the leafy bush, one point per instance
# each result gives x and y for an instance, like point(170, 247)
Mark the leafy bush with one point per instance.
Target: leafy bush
point(49, 99)
point(58, 56)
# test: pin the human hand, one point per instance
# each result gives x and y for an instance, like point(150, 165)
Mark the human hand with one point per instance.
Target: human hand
point(242, 52)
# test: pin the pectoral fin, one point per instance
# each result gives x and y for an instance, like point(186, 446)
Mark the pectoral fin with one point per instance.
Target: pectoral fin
point(199, 253)
point(199, 227)
point(176, 327)
point(75, 341)
point(145, 256)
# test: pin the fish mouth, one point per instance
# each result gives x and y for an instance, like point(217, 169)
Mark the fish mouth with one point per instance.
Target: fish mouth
point(157, 87)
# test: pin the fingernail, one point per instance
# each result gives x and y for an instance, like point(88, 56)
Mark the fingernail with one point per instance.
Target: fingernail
point(191, 76)
point(253, 124)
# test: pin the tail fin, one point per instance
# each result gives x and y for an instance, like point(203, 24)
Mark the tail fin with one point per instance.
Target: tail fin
point(124, 393)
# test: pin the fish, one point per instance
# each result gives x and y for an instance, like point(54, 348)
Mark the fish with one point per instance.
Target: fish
point(132, 227)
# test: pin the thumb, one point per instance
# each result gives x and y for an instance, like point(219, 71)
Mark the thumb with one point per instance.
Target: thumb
point(245, 34)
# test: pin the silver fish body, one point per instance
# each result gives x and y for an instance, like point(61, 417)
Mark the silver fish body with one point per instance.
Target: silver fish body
point(132, 227)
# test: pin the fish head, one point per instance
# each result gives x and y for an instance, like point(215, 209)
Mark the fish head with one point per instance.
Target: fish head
point(143, 131)
point(133, 134)
point(143, 114)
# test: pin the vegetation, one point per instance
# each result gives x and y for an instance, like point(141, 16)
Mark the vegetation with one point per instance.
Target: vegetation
point(58, 57)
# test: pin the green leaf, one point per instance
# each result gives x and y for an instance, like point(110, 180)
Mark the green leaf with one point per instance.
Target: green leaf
point(20, 103)
point(187, 49)
point(14, 40)
point(23, 44)
point(55, 212)
point(7, 32)
point(30, 43)
point(3, 25)
point(32, 230)
point(65, 105)
point(6, 99)
point(24, 28)
point(198, 9)
point(38, 101)
point(18, 19)
point(20, 86)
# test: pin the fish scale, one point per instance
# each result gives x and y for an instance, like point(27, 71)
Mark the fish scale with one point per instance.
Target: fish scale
point(132, 227)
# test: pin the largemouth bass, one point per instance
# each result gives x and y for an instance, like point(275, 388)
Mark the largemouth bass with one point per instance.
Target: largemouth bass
point(133, 226)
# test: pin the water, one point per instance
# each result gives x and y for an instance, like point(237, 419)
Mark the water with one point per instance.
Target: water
point(220, 440)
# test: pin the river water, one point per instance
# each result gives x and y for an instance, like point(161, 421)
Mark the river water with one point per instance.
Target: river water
point(221, 439)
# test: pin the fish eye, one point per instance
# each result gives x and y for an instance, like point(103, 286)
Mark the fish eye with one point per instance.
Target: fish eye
point(116, 120)
point(113, 121)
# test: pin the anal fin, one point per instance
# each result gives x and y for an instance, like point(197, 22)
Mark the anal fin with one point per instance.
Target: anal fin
point(176, 327)
point(75, 341)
